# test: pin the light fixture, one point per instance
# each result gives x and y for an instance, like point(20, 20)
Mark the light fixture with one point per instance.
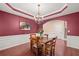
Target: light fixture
point(38, 18)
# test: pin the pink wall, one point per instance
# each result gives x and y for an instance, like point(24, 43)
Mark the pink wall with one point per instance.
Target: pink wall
point(72, 22)
point(9, 24)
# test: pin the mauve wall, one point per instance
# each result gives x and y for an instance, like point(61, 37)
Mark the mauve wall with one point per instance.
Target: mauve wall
point(72, 23)
point(9, 24)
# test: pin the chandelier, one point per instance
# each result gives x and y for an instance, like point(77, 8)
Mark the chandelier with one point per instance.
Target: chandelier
point(38, 18)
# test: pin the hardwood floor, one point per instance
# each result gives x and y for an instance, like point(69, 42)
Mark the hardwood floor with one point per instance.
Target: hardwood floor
point(71, 51)
point(21, 50)
point(24, 50)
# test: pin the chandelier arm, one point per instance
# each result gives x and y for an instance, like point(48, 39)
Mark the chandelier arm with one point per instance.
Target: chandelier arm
point(18, 10)
point(57, 12)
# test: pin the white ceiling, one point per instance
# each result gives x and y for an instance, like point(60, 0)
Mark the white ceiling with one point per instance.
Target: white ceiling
point(45, 8)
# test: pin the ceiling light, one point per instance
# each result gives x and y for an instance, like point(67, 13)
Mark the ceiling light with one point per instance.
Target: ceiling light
point(38, 18)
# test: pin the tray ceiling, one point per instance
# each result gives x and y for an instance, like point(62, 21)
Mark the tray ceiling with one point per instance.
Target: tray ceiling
point(45, 8)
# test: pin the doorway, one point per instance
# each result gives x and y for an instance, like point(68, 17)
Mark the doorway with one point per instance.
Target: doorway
point(56, 28)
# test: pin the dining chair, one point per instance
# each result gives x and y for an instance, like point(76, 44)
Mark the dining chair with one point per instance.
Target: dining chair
point(35, 44)
point(50, 47)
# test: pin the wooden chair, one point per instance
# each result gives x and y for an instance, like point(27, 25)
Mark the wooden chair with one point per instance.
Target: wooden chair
point(50, 47)
point(35, 44)
point(32, 40)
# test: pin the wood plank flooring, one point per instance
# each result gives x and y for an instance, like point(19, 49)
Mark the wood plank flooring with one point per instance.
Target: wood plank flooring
point(24, 50)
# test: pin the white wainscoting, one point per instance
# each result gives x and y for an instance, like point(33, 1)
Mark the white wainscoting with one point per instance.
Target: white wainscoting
point(13, 40)
point(73, 41)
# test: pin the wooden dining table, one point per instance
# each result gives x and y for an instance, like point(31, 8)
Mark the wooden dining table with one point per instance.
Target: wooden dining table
point(59, 46)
